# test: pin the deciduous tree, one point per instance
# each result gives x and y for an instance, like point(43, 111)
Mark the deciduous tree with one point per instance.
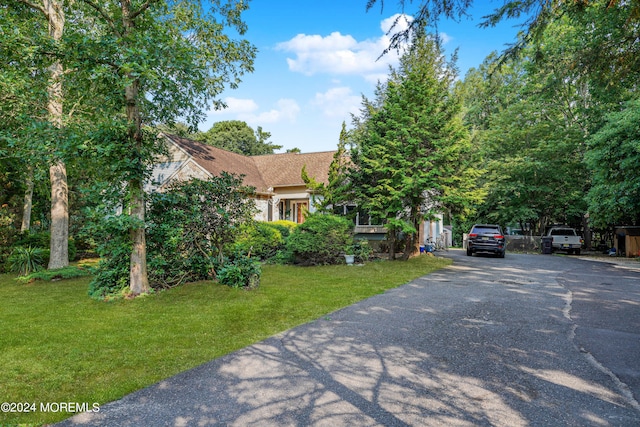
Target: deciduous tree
point(239, 137)
point(53, 17)
point(163, 60)
point(614, 161)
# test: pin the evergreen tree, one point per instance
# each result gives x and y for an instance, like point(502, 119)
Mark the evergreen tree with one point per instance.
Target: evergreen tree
point(406, 165)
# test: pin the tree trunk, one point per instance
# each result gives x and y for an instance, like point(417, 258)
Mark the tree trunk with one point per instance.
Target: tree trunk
point(586, 232)
point(28, 202)
point(59, 256)
point(138, 278)
point(392, 244)
point(411, 241)
point(59, 217)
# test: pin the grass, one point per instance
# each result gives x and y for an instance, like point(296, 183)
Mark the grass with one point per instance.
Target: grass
point(58, 345)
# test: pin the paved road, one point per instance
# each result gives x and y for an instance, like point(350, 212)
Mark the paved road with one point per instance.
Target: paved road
point(529, 340)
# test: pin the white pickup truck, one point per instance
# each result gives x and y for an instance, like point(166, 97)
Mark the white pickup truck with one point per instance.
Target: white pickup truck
point(565, 239)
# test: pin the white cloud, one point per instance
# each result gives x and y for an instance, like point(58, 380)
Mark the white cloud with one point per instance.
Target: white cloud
point(401, 23)
point(342, 54)
point(445, 38)
point(237, 106)
point(286, 110)
point(338, 102)
point(248, 110)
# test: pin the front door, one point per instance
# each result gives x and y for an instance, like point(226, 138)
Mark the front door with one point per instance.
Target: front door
point(299, 211)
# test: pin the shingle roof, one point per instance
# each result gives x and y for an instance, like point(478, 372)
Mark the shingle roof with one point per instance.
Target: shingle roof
point(286, 169)
point(261, 172)
point(215, 160)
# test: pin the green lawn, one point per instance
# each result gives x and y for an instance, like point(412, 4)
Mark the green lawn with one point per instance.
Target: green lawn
point(58, 345)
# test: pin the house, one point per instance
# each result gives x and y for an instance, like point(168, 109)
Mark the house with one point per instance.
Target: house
point(280, 191)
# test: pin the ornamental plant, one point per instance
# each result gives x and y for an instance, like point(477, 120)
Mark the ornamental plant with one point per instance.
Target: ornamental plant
point(241, 272)
point(320, 240)
point(25, 261)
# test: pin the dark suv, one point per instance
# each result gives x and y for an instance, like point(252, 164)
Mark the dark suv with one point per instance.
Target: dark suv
point(486, 238)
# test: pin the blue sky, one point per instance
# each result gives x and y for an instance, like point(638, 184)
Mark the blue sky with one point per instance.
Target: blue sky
point(316, 59)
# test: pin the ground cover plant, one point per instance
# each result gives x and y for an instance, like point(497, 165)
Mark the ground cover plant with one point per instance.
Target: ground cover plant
point(57, 345)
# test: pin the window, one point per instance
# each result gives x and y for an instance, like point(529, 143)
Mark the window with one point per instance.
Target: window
point(357, 215)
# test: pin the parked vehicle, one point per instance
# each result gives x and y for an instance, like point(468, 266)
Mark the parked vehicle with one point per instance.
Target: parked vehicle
point(565, 239)
point(487, 238)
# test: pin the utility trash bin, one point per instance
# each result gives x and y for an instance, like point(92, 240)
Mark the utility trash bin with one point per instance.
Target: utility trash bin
point(547, 245)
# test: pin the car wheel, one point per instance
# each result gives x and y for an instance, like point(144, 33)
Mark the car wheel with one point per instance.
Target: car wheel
point(577, 251)
point(502, 254)
point(469, 252)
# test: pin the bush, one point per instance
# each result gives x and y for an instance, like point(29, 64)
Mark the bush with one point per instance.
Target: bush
point(25, 261)
point(321, 239)
point(173, 257)
point(260, 239)
point(8, 234)
point(69, 272)
point(37, 239)
point(362, 250)
point(111, 276)
point(242, 272)
point(283, 226)
point(42, 240)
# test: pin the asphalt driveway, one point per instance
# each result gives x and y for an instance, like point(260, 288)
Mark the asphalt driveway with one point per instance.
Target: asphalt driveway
point(529, 340)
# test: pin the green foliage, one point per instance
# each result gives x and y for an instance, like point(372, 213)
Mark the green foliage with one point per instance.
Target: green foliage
point(614, 161)
point(239, 137)
point(69, 272)
point(320, 240)
point(111, 232)
point(188, 227)
point(285, 227)
point(607, 39)
point(241, 272)
point(26, 260)
point(338, 190)
point(407, 162)
point(41, 239)
point(362, 250)
point(192, 223)
point(260, 239)
point(213, 211)
point(7, 235)
point(174, 256)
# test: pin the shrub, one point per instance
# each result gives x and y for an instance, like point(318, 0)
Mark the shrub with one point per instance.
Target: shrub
point(173, 256)
point(111, 276)
point(321, 239)
point(283, 226)
point(42, 240)
point(362, 250)
point(242, 272)
point(69, 272)
point(25, 261)
point(260, 239)
point(39, 239)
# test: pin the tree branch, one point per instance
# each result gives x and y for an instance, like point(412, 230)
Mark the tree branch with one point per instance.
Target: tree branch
point(144, 7)
point(104, 15)
point(35, 6)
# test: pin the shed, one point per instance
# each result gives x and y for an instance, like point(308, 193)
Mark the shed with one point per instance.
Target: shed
point(627, 240)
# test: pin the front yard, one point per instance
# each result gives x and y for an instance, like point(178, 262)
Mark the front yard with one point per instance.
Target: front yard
point(58, 345)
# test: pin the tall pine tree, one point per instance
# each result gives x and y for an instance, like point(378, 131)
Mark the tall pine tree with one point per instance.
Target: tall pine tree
point(407, 162)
